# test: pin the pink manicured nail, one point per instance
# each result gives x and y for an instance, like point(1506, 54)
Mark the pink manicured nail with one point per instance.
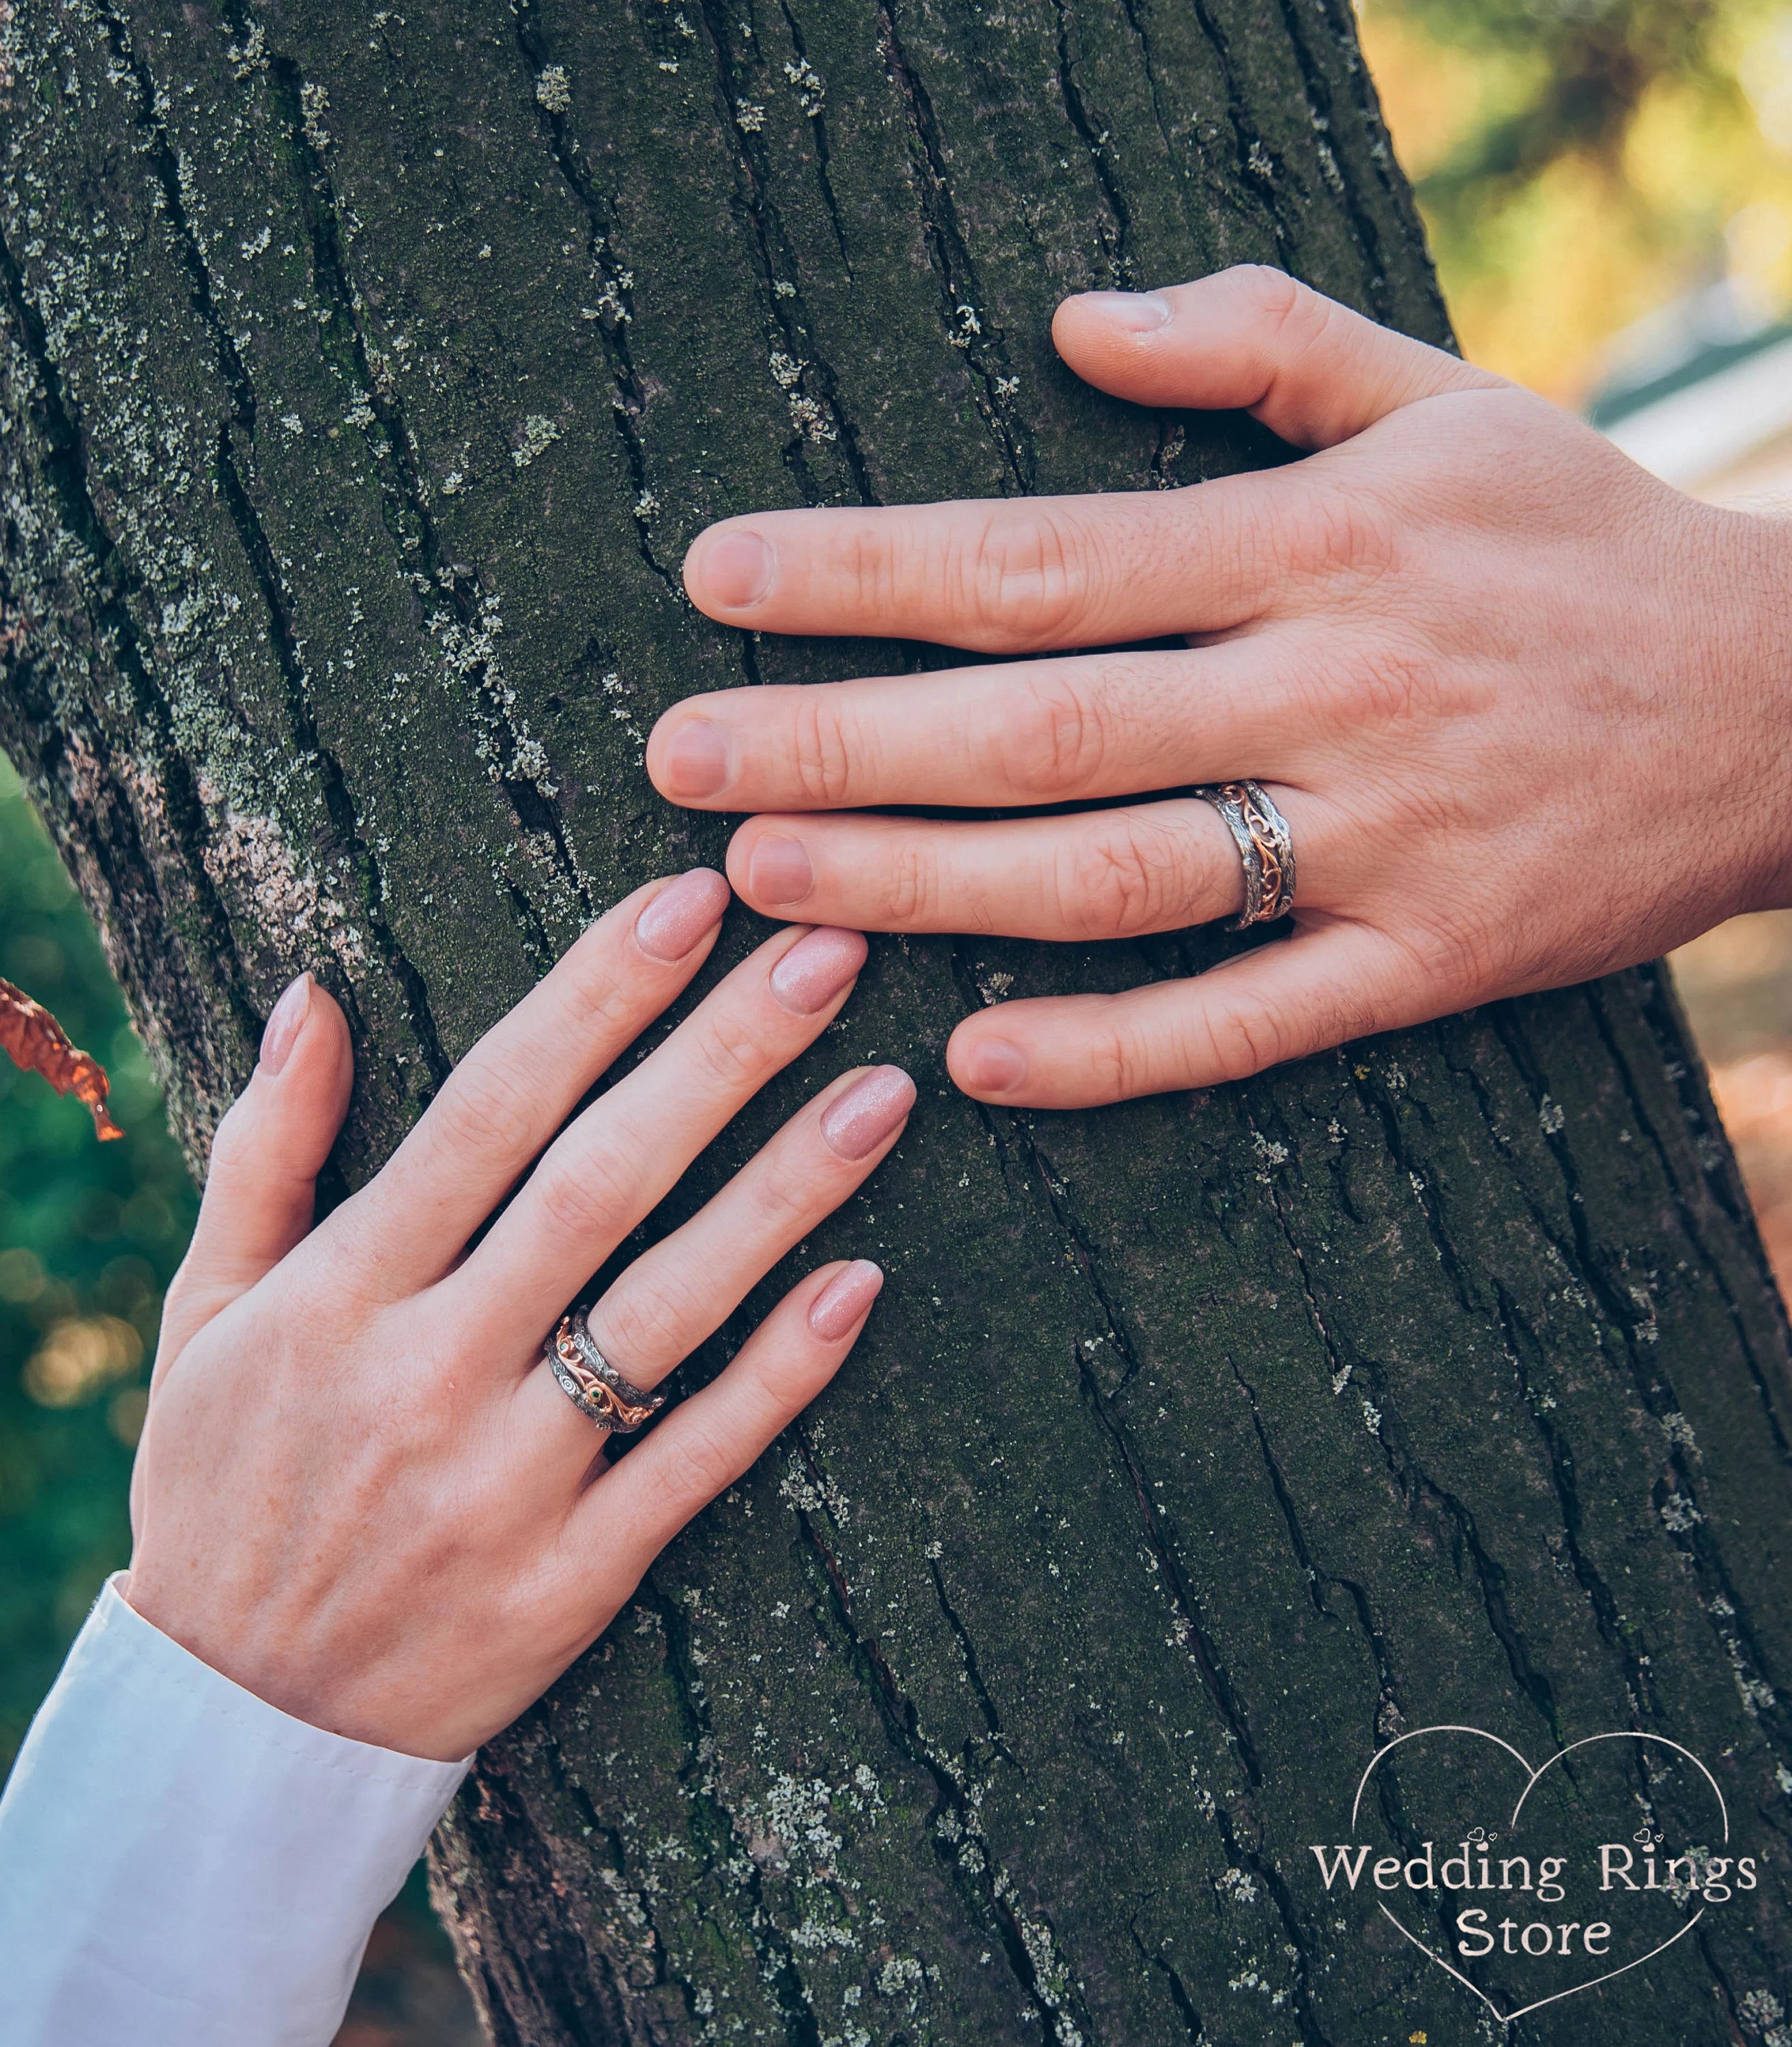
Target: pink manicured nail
point(1137, 311)
point(681, 913)
point(779, 871)
point(735, 569)
point(994, 1067)
point(868, 1112)
point(699, 759)
point(817, 967)
point(286, 1022)
point(839, 1306)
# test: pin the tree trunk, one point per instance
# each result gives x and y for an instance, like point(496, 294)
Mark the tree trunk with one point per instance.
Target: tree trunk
point(366, 375)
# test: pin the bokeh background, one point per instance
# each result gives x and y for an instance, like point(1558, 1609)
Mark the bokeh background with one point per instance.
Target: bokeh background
point(1603, 180)
point(1608, 185)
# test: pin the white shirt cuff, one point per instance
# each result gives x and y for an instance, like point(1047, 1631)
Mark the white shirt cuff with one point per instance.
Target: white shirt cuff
point(183, 1865)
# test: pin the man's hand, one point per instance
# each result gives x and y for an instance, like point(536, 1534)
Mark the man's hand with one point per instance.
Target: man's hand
point(1522, 705)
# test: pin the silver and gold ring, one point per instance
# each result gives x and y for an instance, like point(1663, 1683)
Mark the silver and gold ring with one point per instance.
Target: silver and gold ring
point(592, 1384)
point(1265, 846)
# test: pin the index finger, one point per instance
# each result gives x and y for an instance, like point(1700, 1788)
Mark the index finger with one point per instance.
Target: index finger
point(1007, 575)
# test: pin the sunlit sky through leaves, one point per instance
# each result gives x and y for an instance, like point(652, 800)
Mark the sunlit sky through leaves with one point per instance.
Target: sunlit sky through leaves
point(1583, 164)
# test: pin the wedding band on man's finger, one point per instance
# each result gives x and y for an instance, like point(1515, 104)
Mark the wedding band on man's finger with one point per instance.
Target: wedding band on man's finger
point(1266, 849)
point(1125, 871)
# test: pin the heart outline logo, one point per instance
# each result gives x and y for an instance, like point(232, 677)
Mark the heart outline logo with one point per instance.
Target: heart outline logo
point(1532, 1777)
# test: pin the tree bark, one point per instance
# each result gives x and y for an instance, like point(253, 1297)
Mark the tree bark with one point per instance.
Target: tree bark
point(366, 374)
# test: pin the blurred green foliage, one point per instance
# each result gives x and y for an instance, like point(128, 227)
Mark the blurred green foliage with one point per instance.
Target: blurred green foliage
point(1583, 164)
point(90, 1237)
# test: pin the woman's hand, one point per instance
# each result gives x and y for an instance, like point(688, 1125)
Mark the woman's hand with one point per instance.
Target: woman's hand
point(1524, 707)
point(361, 1493)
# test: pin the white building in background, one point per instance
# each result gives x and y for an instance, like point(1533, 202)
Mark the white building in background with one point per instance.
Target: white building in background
point(1706, 403)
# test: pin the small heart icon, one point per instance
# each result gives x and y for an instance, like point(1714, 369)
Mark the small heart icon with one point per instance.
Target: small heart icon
point(1568, 1840)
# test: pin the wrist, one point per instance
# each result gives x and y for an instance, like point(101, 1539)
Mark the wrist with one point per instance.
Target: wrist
point(236, 1651)
point(340, 1692)
point(207, 1634)
point(1740, 752)
point(1752, 603)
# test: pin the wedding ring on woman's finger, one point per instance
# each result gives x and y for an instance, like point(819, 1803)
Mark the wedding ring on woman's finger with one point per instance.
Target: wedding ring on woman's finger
point(1266, 848)
point(592, 1384)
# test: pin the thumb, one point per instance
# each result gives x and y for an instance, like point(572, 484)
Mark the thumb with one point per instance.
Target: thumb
point(1255, 340)
point(261, 1187)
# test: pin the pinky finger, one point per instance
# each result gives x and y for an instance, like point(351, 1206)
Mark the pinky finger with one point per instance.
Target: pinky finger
point(1321, 989)
point(636, 1507)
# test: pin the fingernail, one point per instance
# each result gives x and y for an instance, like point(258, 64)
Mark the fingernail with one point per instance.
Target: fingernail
point(699, 759)
point(842, 1302)
point(285, 1025)
point(817, 967)
point(681, 913)
point(868, 1112)
point(1137, 311)
point(992, 1066)
point(779, 871)
point(735, 569)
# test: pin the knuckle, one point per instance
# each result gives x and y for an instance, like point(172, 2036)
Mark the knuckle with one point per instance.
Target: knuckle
point(1118, 1065)
point(1365, 534)
point(779, 1202)
point(1342, 1016)
point(595, 996)
point(1461, 955)
point(867, 566)
point(1375, 687)
point(537, 1605)
point(709, 1462)
point(1292, 314)
point(647, 1321)
point(821, 759)
point(1470, 957)
point(788, 1379)
point(181, 1285)
point(729, 1052)
point(483, 1107)
point(460, 1500)
point(1059, 740)
point(1118, 881)
point(1250, 1031)
point(1388, 685)
point(585, 1199)
point(1239, 1036)
point(1026, 580)
point(1338, 532)
point(233, 1143)
point(912, 886)
point(184, 1294)
point(1420, 805)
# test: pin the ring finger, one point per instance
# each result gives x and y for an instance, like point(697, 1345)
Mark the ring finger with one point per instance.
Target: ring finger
point(682, 1289)
point(1096, 874)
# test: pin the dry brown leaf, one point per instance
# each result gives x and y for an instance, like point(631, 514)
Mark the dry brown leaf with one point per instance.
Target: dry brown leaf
point(39, 1045)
